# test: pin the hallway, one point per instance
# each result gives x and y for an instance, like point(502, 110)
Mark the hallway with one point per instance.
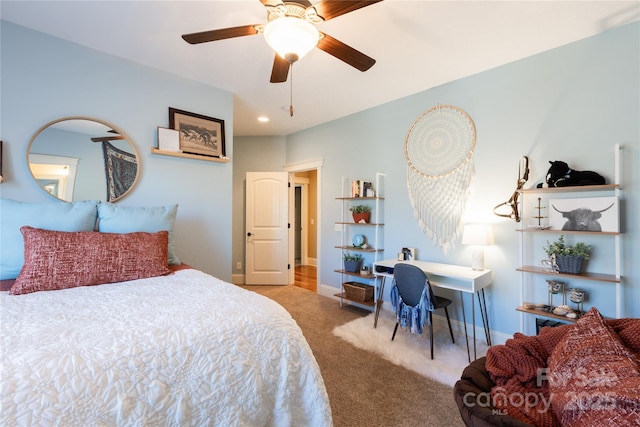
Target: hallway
point(305, 277)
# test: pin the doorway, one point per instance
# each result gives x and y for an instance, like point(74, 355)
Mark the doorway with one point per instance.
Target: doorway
point(305, 200)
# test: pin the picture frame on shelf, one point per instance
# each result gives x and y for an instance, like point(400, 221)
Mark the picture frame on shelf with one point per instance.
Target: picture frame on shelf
point(198, 134)
point(593, 214)
point(168, 140)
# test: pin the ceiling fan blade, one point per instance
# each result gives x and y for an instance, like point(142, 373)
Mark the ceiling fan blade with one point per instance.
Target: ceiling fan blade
point(224, 33)
point(280, 69)
point(329, 9)
point(345, 53)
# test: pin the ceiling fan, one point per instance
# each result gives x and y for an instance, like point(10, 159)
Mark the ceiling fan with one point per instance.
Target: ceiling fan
point(291, 32)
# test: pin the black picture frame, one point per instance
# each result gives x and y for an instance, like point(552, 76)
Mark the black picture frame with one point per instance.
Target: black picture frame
point(201, 135)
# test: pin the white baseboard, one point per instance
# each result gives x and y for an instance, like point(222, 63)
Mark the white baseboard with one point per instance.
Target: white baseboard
point(328, 291)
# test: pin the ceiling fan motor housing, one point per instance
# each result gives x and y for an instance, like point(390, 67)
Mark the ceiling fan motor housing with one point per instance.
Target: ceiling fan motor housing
point(291, 37)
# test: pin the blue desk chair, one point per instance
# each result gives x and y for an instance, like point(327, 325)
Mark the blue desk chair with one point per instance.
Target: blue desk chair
point(412, 298)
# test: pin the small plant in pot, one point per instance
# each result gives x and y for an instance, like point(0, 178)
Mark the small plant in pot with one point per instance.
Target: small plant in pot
point(360, 213)
point(351, 262)
point(568, 258)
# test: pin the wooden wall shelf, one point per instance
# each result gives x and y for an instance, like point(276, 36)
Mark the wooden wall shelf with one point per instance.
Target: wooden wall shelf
point(188, 156)
point(356, 274)
point(353, 248)
point(543, 313)
point(585, 276)
point(549, 230)
point(582, 188)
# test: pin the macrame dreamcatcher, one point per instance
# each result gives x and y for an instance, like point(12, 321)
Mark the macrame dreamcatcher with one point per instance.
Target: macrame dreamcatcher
point(439, 152)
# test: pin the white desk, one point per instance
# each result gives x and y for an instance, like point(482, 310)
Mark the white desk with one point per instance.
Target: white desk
point(447, 276)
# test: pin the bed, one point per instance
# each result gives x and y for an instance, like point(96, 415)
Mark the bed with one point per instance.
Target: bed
point(179, 348)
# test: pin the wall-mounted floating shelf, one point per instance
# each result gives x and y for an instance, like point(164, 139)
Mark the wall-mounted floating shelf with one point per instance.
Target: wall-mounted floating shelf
point(188, 156)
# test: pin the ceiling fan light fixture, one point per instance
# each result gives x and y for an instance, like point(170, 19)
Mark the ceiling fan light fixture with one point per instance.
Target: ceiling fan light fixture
point(292, 38)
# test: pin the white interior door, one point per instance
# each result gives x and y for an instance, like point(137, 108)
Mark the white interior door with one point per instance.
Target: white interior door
point(267, 228)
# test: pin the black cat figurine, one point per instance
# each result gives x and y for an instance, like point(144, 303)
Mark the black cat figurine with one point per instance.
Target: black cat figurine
point(561, 175)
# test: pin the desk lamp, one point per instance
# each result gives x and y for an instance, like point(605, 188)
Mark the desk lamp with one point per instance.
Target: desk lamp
point(478, 236)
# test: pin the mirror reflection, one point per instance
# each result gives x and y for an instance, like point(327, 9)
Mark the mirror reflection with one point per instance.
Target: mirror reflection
point(79, 158)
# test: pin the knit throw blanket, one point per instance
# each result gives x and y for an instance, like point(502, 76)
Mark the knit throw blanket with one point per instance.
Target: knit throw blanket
point(543, 380)
point(408, 316)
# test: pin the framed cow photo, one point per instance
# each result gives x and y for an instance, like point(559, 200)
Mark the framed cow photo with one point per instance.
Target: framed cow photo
point(597, 214)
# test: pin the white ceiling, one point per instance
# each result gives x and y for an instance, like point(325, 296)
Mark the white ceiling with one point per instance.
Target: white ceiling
point(418, 44)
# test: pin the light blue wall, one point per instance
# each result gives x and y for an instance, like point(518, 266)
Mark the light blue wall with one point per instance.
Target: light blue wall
point(572, 103)
point(45, 78)
point(252, 154)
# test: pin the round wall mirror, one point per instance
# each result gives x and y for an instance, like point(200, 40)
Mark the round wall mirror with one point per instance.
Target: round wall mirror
point(81, 158)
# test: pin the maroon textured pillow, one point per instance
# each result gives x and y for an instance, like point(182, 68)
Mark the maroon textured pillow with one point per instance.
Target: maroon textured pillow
point(60, 260)
point(594, 378)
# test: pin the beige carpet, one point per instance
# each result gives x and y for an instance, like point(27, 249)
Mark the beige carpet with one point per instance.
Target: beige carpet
point(364, 389)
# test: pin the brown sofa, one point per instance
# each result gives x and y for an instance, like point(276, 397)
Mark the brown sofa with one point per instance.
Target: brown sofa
point(586, 374)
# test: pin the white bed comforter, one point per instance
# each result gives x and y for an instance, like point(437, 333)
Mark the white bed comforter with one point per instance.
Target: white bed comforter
point(185, 349)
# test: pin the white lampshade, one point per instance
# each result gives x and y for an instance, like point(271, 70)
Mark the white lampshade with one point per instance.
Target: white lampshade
point(292, 38)
point(477, 235)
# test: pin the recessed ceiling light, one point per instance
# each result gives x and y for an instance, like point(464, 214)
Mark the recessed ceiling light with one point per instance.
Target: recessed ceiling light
point(263, 119)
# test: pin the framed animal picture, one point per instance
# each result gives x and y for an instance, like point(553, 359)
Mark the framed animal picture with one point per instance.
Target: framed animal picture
point(597, 214)
point(198, 134)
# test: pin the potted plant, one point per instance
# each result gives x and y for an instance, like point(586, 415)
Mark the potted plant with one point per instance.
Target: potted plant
point(351, 262)
point(360, 213)
point(568, 258)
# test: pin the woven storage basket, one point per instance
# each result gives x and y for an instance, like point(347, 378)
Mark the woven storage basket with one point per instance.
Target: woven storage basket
point(358, 291)
point(569, 264)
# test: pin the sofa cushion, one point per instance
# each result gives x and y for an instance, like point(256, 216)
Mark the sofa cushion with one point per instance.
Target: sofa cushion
point(594, 379)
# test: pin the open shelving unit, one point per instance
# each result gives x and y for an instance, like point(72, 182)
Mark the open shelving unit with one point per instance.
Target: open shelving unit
point(372, 232)
point(615, 277)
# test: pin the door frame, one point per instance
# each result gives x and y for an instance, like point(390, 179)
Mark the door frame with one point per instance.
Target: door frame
point(303, 166)
point(303, 183)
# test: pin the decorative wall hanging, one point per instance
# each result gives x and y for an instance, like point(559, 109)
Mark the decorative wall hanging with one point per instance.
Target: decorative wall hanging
point(121, 169)
point(439, 152)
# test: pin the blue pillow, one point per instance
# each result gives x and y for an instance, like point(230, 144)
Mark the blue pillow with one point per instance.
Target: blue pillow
point(55, 216)
point(114, 218)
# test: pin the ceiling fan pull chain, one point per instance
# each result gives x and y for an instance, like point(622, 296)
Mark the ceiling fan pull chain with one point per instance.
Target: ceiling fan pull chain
point(291, 93)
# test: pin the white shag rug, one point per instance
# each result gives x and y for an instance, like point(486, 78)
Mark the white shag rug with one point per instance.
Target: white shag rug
point(412, 351)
